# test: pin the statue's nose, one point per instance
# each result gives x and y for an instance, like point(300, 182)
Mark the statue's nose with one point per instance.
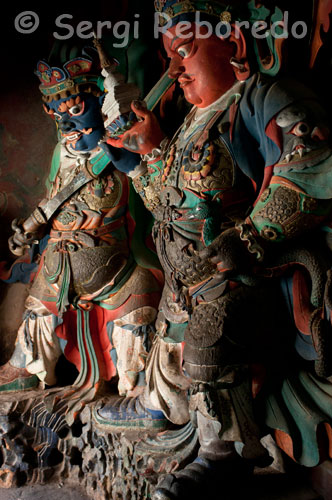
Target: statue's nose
point(66, 125)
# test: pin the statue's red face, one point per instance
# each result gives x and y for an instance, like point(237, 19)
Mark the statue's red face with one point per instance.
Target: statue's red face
point(201, 65)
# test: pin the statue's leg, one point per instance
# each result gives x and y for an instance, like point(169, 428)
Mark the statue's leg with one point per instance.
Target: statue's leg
point(220, 345)
point(131, 337)
point(36, 352)
point(222, 456)
point(167, 386)
point(217, 467)
point(165, 397)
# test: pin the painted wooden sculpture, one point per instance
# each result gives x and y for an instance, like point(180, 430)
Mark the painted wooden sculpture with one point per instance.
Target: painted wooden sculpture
point(96, 289)
point(241, 197)
point(241, 200)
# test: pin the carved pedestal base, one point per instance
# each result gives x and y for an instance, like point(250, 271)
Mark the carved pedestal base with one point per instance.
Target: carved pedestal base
point(113, 466)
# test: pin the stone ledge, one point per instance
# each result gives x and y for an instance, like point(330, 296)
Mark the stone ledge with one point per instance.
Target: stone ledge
point(118, 465)
point(105, 464)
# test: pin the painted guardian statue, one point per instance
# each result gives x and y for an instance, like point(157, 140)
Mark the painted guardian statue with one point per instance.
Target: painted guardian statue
point(95, 292)
point(241, 198)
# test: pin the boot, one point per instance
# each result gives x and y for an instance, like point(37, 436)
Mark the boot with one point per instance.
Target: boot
point(218, 466)
point(203, 478)
point(16, 379)
point(123, 413)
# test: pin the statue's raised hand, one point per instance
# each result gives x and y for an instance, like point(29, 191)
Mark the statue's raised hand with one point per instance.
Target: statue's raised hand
point(21, 240)
point(29, 231)
point(144, 136)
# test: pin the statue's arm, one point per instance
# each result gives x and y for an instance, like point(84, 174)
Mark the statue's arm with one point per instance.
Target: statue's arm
point(296, 200)
point(30, 230)
point(148, 140)
point(299, 195)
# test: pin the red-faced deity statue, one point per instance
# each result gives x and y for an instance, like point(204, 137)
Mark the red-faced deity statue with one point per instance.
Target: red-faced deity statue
point(201, 64)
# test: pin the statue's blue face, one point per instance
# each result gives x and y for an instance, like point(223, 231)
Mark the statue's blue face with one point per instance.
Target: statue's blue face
point(79, 120)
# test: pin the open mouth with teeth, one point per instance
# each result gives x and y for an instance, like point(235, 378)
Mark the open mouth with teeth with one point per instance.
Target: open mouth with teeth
point(299, 150)
point(74, 136)
point(302, 153)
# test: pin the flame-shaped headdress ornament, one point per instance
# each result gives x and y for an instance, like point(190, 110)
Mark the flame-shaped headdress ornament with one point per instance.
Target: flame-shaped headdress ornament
point(68, 75)
point(185, 10)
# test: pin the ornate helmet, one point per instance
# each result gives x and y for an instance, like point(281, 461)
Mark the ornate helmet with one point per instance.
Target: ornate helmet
point(185, 10)
point(68, 71)
point(267, 53)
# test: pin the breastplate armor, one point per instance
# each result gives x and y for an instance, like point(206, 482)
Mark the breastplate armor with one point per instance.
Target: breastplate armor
point(89, 232)
point(197, 172)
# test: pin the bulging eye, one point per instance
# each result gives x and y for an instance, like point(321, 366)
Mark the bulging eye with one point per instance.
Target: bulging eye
point(185, 50)
point(77, 109)
point(57, 116)
point(301, 129)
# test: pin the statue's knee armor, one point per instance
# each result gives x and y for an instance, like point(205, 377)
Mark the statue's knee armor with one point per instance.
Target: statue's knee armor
point(218, 336)
point(206, 364)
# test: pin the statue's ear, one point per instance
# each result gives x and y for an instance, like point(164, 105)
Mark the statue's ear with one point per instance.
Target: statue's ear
point(48, 110)
point(240, 60)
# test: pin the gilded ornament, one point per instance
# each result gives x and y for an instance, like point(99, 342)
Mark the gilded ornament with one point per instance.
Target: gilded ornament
point(265, 195)
point(209, 9)
point(162, 21)
point(269, 233)
point(66, 218)
point(169, 12)
point(226, 17)
point(197, 165)
point(107, 200)
point(187, 6)
point(159, 4)
point(169, 163)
